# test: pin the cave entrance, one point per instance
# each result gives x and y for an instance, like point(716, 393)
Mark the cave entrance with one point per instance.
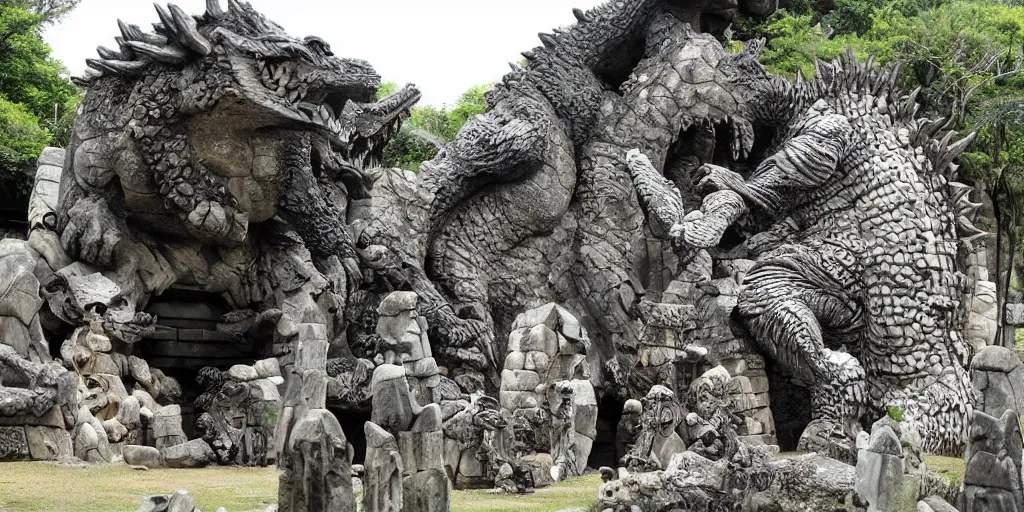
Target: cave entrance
point(603, 452)
point(186, 340)
point(791, 408)
point(352, 423)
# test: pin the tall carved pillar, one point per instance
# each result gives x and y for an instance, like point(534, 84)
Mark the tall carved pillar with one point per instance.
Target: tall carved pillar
point(315, 457)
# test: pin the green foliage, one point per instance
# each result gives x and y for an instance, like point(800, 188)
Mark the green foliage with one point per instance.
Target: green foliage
point(21, 141)
point(386, 89)
point(470, 103)
point(27, 73)
point(896, 413)
point(410, 147)
point(36, 97)
point(795, 43)
point(430, 127)
point(61, 129)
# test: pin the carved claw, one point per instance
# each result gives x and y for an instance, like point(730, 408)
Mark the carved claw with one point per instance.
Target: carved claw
point(720, 210)
point(92, 233)
point(215, 220)
point(720, 178)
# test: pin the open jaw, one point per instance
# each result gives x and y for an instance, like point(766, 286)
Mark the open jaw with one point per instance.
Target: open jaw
point(340, 105)
point(716, 138)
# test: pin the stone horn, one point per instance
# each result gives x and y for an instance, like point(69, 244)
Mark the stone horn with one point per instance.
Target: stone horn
point(188, 32)
point(214, 9)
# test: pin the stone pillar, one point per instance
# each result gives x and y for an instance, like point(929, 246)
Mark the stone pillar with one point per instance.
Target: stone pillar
point(383, 488)
point(547, 351)
point(881, 471)
point(997, 375)
point(992, 470)
point(314, 457)
point(420, 446)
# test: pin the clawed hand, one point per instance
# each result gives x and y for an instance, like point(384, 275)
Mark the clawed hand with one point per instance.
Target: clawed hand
point(719, 178)
point(720, 210)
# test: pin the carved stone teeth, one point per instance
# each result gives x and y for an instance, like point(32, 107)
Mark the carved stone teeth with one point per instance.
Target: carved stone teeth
point(325, 113)
point(293, 96)
point(308, 111)
point(281, 92)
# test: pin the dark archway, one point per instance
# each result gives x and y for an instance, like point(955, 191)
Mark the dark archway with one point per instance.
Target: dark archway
point(609, 411)
point(791, 408)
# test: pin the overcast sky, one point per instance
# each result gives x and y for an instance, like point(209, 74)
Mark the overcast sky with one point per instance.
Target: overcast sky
point(443, 46)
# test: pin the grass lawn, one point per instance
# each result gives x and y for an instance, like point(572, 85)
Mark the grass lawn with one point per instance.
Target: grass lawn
point(575, 493)
point(47, 487)
point(950, 468)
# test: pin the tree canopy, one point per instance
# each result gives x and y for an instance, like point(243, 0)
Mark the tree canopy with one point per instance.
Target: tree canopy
point(430, 127)
point(37, 100)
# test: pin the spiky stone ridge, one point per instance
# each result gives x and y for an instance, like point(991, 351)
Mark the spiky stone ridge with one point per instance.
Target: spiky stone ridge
point(865, 254)
point(189, 121)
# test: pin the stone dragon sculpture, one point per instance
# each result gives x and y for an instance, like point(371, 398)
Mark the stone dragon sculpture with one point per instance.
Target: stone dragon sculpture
point(531, 202)
point(857, 290)
point(231, 138)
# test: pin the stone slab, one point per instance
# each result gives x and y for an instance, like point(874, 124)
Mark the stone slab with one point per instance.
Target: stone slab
point(48, 443)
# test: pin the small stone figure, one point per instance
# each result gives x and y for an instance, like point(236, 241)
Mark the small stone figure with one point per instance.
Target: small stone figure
point(471, 455)
point(563, 431)
point(657, 440)
point(403, 335)
point(712, 423)
point(628, 428)
point(992, 472)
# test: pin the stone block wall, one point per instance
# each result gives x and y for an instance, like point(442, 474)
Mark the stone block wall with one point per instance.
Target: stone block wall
point(547, 357)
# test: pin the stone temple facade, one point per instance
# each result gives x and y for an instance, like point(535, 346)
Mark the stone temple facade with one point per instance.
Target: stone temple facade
point(649, 254)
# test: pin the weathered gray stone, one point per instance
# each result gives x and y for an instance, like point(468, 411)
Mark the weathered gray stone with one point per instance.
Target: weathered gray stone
point(167, 427)
point(13, 444)
point(266, 368)
point(243, 373)
point(191, 454)
point(317, 473)
point(147, 456)
point(393, 407)
point(155, 503)
point(992, 472)
point(937, 504)
point(426, 491)
point(48, 443)
point(181, 501)
point(995, 358)
point(383, 481)
point(885, 441)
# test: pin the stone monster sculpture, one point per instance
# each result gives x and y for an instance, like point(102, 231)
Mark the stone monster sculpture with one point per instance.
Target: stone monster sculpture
point(856, 290)
point(219, 153)
point(530, 203)
point(215, 154)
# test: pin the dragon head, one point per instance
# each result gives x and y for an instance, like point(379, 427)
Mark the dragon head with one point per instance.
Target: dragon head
point(766, 98)
point(241, 67)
